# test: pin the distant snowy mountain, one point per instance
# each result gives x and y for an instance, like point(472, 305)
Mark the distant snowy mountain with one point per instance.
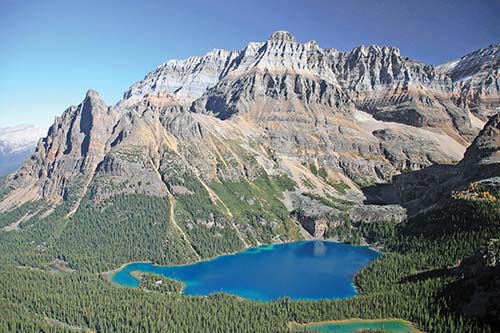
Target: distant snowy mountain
point(16, 144)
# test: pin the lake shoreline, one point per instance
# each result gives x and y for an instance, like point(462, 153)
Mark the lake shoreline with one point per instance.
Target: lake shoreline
point(109, 274)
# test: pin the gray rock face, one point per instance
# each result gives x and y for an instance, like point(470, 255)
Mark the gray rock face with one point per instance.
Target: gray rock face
point(478, 63)
point(395, 88)
point(485, 149)
point(65, 160)
point(476, 80)
point(482, 158)
point(372, 68)
point(409, 152)
point(186, 79)
point(375, 213)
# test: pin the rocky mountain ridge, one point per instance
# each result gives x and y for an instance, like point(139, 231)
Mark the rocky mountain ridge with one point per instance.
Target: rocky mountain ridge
point(476, 80)
point(329, 122)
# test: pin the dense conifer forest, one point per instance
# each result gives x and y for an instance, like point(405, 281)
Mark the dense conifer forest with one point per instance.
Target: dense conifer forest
point(407, 282)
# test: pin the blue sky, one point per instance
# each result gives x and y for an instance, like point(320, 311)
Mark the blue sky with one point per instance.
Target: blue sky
point(52, 52)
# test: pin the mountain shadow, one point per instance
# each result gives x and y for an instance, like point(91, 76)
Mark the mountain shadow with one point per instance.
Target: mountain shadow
point(414, 190)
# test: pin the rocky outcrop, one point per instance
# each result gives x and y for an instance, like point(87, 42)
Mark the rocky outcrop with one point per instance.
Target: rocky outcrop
point(481, 162)
point(65, 160)
point(376, 213)
point(485, 149)
point(404, 150)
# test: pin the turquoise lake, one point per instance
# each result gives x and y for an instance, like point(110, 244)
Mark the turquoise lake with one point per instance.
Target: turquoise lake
point(398, 326)
point(308, 270)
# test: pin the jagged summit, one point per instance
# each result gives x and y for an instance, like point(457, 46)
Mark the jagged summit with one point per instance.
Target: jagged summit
point(476, 78)
point(364, 69)
point(477, 62)
point(91, 93)
point(376, 49)
point(282, 36)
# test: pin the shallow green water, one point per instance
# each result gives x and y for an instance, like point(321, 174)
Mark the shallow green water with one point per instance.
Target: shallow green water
point(355, 326)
